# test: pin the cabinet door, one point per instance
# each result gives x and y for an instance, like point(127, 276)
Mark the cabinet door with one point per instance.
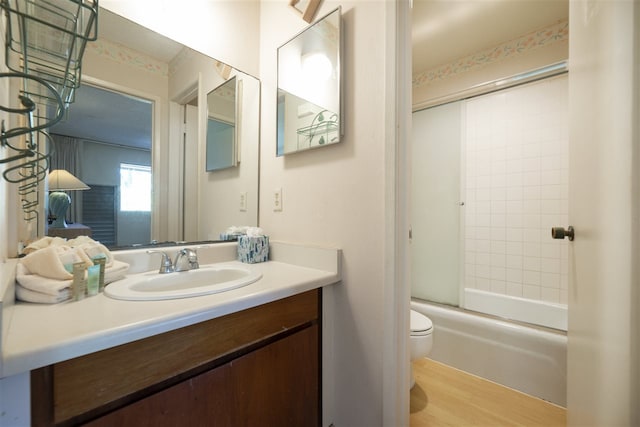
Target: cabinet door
point(275, 385)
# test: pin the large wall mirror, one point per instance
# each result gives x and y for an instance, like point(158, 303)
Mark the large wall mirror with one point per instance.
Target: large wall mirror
point(144, 105)
point(309, 113)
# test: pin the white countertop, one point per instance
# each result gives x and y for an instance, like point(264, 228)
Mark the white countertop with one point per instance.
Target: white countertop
point(36, 335)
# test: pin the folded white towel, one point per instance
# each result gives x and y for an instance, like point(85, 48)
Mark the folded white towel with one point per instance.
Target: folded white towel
point(28, 295)
point(38, 289)
point(37, 283)
point(45, 275)
point(117, 271)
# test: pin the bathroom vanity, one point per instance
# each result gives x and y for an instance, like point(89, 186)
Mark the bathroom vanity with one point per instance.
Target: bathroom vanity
point(255, 367)
point(249, 356)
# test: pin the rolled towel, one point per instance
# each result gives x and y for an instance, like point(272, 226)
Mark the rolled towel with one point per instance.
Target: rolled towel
point(28, 295)
point(54, 261)
point(44, 242)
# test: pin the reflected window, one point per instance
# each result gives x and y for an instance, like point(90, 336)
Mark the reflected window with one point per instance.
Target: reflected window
point(135, 188)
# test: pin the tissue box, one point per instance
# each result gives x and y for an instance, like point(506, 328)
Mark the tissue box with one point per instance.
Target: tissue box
point(253, 249)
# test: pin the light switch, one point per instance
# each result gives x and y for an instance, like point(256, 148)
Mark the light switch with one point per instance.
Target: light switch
point(277, 200)
point(243, 201)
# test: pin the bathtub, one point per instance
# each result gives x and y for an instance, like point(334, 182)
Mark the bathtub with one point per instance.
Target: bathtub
point(526, 358)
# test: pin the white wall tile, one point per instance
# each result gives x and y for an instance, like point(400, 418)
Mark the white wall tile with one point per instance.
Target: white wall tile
point(483, 233)
point(531, 277)
point(531, 178)
point(498, 273)
point(515, 234)
point(498, 193)
point(515, 262)
point(483, 220)
point(499, 287)
point(483, 207)
point(498, 220)
point(550, 250)
point(514, 180)
point(550, 295)
point(531, 206)
point(483, 258)
point(514, 289)
point(498, 207)
point(550, 280)
point(515, 248)
point(498, 233)
point(483, 271)
point(498, 260)
point(483, 283)
point(498, 247)
point(514, 275)
point(550, 265)
point(515, 221)
point(531, 221)
point(531, 249)
point(531, 235)
point(515, 193)
point(531, 292)
point(483, 245)
point(514, 207)
point(531, 263)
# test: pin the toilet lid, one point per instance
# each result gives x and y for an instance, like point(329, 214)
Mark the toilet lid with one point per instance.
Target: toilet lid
point(420, 322)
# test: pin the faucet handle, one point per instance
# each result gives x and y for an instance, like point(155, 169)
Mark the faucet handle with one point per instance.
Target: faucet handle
point(186, 259)
point(192, 256)
point(165, 264)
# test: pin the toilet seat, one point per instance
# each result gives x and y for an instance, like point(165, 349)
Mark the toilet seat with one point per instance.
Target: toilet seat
point(420, 324)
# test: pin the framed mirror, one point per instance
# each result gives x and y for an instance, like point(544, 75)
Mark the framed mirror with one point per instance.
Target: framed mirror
point(221, 148)
point(309, 111)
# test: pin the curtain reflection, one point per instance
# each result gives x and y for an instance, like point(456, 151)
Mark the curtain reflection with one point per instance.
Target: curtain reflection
point(66, 155)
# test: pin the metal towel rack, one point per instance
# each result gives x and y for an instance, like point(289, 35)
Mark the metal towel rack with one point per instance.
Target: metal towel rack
point(44, 44)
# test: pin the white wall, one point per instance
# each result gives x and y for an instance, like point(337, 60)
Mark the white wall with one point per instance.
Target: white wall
point(336, 196)
point(225, 30)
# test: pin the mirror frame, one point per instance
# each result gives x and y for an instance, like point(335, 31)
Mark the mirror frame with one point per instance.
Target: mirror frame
point(319, 121)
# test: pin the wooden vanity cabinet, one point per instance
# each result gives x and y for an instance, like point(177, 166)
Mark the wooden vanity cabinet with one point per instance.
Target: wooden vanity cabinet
point(256, 367)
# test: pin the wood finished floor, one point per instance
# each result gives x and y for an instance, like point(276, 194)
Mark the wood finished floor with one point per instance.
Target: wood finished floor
point(444, 396)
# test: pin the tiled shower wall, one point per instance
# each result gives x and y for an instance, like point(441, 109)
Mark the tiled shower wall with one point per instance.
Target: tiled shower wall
point(516, 188)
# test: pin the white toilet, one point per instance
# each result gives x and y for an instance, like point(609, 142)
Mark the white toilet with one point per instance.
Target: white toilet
point(421, 338)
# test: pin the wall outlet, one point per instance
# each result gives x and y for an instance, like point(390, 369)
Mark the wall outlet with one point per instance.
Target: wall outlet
point(277, 200)
point(243, 201)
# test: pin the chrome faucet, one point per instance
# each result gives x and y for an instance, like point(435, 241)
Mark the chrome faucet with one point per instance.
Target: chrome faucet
point(186, 259)
point(165, 263)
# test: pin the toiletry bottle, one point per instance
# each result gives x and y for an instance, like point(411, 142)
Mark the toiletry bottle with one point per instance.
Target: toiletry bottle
point(79, 284)
point(93, 278)
point(100, 260)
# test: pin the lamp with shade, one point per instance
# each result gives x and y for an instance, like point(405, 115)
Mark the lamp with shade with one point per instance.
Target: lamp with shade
point(59, 181)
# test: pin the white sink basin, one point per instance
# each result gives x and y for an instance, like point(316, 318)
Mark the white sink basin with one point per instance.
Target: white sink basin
point(208, 279)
